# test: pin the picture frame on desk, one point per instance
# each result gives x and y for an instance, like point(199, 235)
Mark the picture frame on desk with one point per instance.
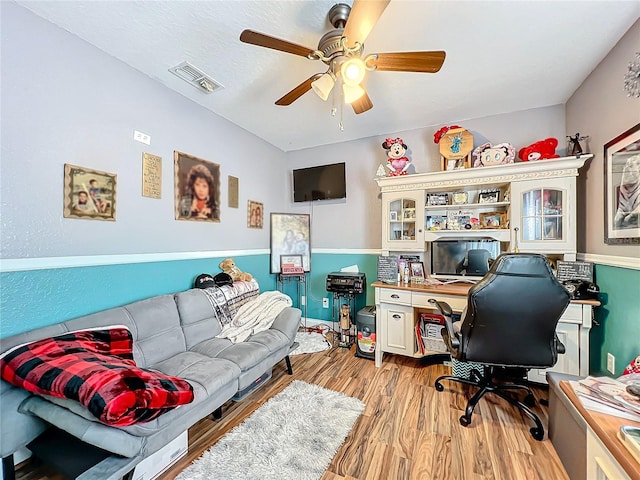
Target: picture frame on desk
point(393, 216)
point(416, 270)
point(492, 196)
point(622, 182)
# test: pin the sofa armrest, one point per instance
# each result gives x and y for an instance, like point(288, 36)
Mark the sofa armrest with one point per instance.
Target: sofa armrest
point(287, 322)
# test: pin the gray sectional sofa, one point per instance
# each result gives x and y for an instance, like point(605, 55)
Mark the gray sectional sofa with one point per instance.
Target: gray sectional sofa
point(175, 334)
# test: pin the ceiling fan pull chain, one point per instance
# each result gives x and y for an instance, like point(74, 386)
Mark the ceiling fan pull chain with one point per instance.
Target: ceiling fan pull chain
point(341, 123)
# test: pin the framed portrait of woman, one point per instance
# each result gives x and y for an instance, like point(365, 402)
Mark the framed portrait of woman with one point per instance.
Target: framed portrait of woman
point(197, 188)
point(290, 235)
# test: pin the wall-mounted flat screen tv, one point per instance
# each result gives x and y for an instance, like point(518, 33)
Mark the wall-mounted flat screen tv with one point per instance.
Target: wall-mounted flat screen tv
point(324, 182)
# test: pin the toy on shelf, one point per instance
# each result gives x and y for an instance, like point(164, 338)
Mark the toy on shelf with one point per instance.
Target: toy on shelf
point(539, 150)
point(574, 144)
point(456, 144)
point(398, 163)
point(487, 155)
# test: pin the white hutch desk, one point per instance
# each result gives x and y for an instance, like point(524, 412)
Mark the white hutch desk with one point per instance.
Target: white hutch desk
point(536, 202)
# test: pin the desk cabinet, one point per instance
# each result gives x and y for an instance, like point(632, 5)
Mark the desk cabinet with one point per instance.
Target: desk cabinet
point(601, 465)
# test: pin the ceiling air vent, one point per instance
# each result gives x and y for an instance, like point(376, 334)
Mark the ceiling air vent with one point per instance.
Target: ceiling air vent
point(196, 77)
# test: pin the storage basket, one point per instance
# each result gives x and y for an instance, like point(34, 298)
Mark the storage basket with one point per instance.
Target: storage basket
point(433, 344)
point(463, 369)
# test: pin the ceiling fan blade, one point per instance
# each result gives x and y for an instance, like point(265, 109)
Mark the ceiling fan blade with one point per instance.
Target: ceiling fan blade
point(263, 40)
point(427, 62)
point(297, 92)
point(362, 104)
point(362, 18)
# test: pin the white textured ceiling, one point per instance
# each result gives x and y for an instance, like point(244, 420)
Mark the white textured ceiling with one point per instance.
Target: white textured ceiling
point(502, 56)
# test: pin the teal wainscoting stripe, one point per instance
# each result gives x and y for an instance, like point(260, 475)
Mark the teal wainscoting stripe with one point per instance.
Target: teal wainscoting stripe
point(36, 298)
point(618, 319)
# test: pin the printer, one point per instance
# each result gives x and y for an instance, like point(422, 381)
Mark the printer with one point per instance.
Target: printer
point(346, 282)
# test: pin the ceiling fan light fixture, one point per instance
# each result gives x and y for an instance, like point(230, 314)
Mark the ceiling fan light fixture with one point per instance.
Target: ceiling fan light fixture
point(323, 85)
point(352, 71)
point(351, 93)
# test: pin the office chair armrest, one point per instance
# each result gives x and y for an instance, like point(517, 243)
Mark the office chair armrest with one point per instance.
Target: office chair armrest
point(560, 348)
point(449, 334)
point(443, 307)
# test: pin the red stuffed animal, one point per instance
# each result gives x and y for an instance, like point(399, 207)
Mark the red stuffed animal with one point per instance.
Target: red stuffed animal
point(537, 151)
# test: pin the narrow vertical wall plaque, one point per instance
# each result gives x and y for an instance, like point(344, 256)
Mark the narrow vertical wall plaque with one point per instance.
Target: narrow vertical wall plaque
point(233, 191)
point(151, 176)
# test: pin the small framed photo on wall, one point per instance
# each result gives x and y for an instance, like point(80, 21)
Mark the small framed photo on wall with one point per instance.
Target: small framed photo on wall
point(89, 194)
point(255, 214)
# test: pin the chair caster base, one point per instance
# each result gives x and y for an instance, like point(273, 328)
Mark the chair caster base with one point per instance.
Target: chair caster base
point(537, 433)
point(439, 386)
point(465, 421)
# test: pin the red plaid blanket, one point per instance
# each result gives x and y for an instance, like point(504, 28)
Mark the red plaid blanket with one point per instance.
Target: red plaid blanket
point(96, 368)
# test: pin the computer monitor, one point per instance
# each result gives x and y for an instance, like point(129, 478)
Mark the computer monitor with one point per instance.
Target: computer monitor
point(462, 258)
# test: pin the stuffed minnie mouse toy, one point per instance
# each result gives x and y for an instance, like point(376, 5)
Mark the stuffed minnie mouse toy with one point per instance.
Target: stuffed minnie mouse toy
point(397, 163)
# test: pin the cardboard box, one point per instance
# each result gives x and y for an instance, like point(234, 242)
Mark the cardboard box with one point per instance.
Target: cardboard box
point(151, 467)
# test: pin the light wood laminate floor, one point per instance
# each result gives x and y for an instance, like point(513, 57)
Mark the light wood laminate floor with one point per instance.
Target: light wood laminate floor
point(407, 431)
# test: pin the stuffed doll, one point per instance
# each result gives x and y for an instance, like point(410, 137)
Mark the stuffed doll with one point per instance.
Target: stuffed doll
point(539, 150)
point(487, 155)
point(398, 163)
point(228, 266)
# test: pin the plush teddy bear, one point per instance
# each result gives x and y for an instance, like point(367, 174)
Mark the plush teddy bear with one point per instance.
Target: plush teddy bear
point(398, 163)
point(539, 150)
point(228, 266)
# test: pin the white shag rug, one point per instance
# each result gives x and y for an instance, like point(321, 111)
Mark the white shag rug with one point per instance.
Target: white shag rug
point(283, 439)
point(310, 342)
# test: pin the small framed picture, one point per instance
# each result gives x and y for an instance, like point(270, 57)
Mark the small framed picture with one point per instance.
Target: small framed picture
point(89, 194)
point(492, 196)
point(291, 265)
point(409, 213)
point(255, 212)
point(459, 198)
point(417, 270)
point(436, 222)
point(393, 216)
point(493, 220)
point(437, 199)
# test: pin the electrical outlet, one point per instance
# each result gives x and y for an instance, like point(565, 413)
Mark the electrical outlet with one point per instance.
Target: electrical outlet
point(325, 303)
point(303, 300)
point(611, 363)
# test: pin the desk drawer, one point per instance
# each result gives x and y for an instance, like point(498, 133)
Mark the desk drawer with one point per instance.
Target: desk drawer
point(421, 299)
point(395, 296)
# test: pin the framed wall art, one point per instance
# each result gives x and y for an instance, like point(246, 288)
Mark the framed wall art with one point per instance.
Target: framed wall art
point(89, 194)
point(290, 235)
point(197, 188)
point(255, 213)
point(622, 188)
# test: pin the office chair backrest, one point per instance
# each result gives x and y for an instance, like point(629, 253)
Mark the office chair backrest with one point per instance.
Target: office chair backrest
point(512, 313)
point(478, 261)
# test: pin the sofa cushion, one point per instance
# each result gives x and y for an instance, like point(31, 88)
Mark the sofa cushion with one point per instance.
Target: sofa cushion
point(245, 354)
point(197, 316)
point(159, 332)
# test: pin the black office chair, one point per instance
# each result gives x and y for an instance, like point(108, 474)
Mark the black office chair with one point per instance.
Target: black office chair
point(509, 327)
point(476, 262)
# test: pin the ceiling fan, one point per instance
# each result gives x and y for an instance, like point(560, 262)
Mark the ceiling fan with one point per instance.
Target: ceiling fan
point(342, 50)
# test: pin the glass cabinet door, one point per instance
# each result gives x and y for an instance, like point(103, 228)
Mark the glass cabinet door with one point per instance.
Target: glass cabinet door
point(542, 214)
point(402, 227)
point(402, 219)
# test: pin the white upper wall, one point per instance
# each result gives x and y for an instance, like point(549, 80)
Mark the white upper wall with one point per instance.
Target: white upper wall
point(65, 101)
point(355, 222)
